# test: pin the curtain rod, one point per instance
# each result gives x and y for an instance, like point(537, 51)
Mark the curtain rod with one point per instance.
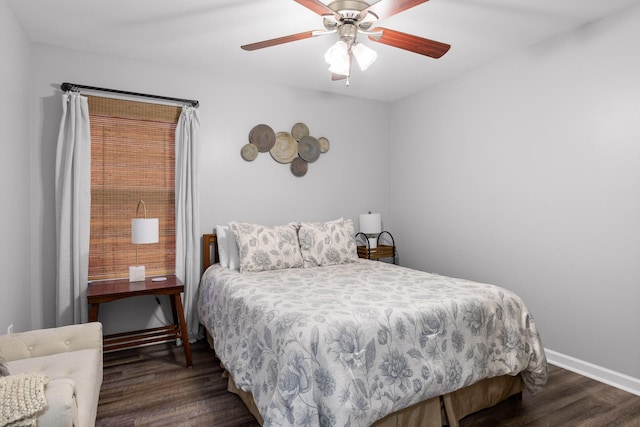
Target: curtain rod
point(74, 87)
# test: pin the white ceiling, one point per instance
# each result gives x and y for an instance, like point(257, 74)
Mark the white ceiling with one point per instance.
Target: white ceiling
point(207, 34)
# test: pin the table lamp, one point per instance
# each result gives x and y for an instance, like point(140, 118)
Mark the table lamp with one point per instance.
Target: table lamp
point(143, 231)
point(371, 226)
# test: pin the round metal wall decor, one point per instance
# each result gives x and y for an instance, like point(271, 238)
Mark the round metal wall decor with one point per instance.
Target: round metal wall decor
point(309, 149)
point(285, 149)
point(299, 130)
point(324, 144)
point(297, 148)
point(299, 167)
point(263, 137)
point(249, 152)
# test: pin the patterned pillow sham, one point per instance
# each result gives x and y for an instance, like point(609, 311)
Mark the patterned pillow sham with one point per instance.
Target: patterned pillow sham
point(262, 247)
point(327, 243)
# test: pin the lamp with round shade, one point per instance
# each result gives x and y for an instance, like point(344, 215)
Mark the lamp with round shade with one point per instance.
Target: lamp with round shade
point(371, 225)
point(143, 231)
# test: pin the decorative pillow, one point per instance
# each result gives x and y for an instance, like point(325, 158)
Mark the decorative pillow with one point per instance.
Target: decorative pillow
point(327, 243)
point(262, 247)
point(4, 369)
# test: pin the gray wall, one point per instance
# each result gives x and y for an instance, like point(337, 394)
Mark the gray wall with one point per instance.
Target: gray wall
point(528, 176)
point(15, 262)
point(231, 189)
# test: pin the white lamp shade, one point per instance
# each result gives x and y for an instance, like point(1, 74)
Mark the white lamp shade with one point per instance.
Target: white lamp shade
point(370, 223)
point(144, 230)
point(338, 52)
point(337, 57)
point(341, 70)
point(365, 56)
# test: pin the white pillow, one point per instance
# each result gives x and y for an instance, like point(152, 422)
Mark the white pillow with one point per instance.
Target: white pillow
point(227, 248)
point(232, 246)
point(223, 236)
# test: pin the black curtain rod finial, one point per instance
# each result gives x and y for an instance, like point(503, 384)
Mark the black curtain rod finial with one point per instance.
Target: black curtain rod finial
point(75, 87)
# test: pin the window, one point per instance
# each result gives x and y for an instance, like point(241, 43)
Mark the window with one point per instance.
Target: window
point(132, 159)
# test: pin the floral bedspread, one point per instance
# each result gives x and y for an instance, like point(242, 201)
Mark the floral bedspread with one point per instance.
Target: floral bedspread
point(345, 345)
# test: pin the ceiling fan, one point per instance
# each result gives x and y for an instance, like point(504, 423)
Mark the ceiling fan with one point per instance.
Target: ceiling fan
point(348, 18)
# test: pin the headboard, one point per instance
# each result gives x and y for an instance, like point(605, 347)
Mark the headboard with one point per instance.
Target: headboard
point(209, 241)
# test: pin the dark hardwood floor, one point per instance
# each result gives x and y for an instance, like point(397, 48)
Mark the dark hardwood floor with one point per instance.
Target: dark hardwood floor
point(152, 387)
point(159, 390)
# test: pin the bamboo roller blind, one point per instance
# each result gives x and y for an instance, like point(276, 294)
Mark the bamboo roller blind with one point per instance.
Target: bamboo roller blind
point(132, 159)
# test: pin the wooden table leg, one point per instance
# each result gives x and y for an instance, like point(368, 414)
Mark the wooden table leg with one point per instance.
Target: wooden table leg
point(93, 312)
point(184, 335)
point(174, 311)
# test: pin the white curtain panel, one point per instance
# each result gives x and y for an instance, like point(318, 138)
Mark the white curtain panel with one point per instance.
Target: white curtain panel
point(73, 208)
point(188, 214)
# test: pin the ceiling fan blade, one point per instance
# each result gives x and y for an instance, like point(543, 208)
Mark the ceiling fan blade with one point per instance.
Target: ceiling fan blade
point(316, 6)
point(277, 41)
point(335, 77)
point(386, 8)
point(410, 42)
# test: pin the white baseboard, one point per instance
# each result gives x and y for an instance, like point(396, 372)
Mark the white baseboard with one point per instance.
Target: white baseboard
point(595, 372)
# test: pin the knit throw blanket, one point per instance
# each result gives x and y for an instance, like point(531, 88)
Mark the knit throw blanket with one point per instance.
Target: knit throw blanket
point(21, 398)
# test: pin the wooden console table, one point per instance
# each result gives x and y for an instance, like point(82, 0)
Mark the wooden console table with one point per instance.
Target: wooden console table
point(112, 290)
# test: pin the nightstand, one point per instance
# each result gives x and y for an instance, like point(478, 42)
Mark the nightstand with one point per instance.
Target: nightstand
point(380, 251)
point(112, 290)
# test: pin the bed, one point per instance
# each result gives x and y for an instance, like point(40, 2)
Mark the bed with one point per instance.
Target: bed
point(343, 341)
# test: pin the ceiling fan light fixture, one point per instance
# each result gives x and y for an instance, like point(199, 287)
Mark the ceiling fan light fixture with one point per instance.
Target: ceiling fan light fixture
point(365, 56)
point(350, 18)
point(340, 69)
point(337, 56)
